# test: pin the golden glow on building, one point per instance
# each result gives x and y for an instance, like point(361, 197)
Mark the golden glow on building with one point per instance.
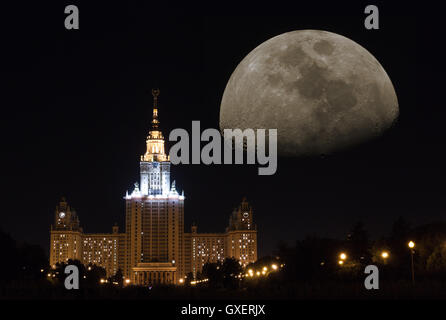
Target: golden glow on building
point(69, 242)
point(155, 140)
point(239, 241)
point(154, 248)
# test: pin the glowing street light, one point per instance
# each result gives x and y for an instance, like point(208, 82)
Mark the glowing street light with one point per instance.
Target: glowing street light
point(258, 273)
point(265, 269)
point(343, 256)
point(181, 280)
point(411, 245)
point(341, 262)
point(384, 254)
point(274, 266)
point(127, 281)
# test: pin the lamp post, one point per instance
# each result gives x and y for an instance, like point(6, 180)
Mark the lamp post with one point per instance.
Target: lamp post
point(411, 245)
point(342, 258)
point(385, 256)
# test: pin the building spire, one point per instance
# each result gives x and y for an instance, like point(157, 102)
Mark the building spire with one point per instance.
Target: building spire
point(155, 122)
point(155, 140)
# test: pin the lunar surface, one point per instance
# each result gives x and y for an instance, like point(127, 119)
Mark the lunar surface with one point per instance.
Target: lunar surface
point(322, 92)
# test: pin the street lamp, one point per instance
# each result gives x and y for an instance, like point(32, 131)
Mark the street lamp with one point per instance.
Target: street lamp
point(384, 255)
point(411, 245)
point(343, 256)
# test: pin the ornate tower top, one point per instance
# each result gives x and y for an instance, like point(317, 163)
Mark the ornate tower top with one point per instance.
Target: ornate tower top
point(242, 217)
point(155, 140)
point(155, 122)
point(65, 217)
point(155, 94)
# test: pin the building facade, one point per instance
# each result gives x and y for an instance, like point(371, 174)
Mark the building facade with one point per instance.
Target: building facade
point(239, 241)
point(154, 216)
point(154, 248)
point(69, 242)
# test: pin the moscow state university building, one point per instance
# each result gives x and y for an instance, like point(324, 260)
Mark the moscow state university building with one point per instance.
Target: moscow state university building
point(154, 248)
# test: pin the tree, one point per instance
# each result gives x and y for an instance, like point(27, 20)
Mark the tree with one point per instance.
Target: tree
point(437, 260)
point(315, 257)
point(117, 277)
point(231, 268)
point(400, 230)
point(8, 247)
point(189, 278)
point(289, 255)
point(213, 272)
point(199, 276)
point(358, 241)
point(94, 275)
point(32, 260)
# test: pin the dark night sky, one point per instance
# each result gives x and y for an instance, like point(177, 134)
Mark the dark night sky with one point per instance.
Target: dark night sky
point(76, 109)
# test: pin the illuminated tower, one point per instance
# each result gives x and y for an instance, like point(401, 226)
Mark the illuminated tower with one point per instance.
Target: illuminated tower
point(69, 242)
point(65, 235)
point(241, 241)
point(154, 217)
point(65, 217)
point(155, 164)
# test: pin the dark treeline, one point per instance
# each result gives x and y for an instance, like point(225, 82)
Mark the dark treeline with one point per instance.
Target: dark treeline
point(310, 268)
point(21, 264)
point(317, 258)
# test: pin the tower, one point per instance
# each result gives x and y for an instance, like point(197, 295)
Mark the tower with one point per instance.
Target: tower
point(241, 240)
point(65, 235)
point(154, 216)
point(65, 218)
point(241, 218)
point(155, 164)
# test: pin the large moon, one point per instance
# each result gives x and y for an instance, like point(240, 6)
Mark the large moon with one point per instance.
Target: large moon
point(322, 92)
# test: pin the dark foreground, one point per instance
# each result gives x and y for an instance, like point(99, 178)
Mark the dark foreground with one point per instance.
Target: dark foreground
point(299, 291)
